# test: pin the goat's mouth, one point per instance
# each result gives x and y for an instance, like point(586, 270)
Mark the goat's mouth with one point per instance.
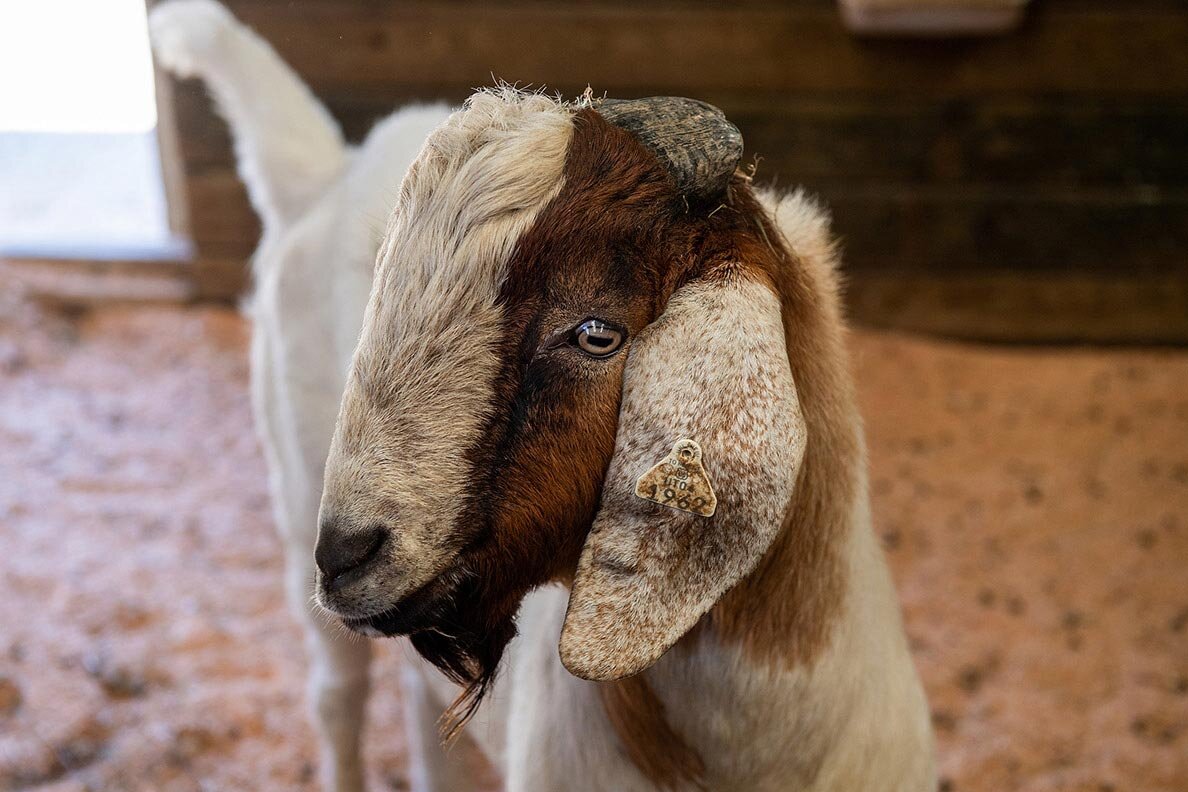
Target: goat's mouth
point(429, 608)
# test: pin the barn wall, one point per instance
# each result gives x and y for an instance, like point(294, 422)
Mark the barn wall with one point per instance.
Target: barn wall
point(1056, 154)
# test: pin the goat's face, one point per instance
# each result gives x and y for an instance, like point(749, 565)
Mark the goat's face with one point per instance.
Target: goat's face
point(486, 425)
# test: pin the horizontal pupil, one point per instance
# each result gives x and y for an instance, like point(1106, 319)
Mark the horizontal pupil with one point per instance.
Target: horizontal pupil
point(602, 341)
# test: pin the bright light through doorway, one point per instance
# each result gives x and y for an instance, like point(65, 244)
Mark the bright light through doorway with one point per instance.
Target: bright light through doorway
point(75, 66)
point(78, 149)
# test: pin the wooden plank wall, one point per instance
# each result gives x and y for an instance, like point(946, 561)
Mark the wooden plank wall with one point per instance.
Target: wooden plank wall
point(1057, 153)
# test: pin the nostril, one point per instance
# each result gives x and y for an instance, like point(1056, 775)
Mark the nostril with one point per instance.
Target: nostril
point(339, 554)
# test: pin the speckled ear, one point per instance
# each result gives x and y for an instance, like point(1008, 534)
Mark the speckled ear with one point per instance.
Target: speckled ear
point(712, 369)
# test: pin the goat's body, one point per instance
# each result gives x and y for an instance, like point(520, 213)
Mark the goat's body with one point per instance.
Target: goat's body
point(857, 720)
point(853, 718)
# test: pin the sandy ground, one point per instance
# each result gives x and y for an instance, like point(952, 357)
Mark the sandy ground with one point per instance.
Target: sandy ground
point(1033, 503)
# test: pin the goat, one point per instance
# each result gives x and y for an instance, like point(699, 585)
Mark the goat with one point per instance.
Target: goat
point(581, 311)
point(568, 298)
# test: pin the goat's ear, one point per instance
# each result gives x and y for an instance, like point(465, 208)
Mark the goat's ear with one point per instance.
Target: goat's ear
point(713, 368)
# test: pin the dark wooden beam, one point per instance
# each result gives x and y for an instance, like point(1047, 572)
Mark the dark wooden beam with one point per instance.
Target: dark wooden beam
point(1055, 153)
point(446, 48)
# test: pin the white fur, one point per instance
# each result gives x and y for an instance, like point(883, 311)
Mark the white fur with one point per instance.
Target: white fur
point(288, 147)
point(422, 375)
point(858, 716)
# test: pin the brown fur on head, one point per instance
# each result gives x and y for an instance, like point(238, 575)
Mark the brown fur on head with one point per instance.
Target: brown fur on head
point(480, 445)
point(544, 446)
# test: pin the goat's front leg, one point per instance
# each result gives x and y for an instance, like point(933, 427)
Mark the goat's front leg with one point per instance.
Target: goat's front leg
point(431, 767)
point(338, 680)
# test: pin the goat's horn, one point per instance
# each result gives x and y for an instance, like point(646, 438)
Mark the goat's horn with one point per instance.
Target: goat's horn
point(700, 147)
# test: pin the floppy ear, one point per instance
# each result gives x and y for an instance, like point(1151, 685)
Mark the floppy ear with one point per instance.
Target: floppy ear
point(713, 368)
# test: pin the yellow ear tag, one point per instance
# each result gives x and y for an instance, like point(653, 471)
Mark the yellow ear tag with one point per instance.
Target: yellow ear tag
point(680, 482)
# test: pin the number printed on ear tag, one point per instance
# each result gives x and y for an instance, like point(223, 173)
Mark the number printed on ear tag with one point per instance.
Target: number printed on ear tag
point(680, 481)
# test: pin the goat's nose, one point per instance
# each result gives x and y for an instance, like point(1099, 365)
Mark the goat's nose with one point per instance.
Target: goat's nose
point(341, 552)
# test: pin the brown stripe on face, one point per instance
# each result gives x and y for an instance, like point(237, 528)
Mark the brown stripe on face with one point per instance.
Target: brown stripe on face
point(602, 249)
point(598, 250)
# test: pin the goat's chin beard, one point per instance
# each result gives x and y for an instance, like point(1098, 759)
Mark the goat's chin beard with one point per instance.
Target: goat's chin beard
point(463, 620)
point(461, 629)
point(469, 658)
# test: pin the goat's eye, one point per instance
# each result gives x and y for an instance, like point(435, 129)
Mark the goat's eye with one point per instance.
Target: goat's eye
point(598, 338)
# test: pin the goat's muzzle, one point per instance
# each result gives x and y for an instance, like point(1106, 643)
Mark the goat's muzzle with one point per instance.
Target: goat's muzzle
point(360, 576)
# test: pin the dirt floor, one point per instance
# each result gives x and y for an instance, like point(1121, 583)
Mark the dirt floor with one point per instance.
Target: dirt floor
point(1033, 503)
